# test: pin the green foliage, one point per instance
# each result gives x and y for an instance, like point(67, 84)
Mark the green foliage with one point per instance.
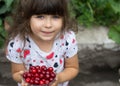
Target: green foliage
point(5, 11)
point(87, 13)
point(98, 12)
point(5, 6)
point(114, 33)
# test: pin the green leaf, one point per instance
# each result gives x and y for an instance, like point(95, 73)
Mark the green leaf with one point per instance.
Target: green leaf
point(8, 2)
point(115, 6)
point(114, 34)
point(117, 27)
point(3, 9)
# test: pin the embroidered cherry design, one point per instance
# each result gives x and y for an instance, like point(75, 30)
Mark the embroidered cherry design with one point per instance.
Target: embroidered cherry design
point(26, 52)
point(73, 41)
point(60, 61)
point(18, 50)
point(50, 55)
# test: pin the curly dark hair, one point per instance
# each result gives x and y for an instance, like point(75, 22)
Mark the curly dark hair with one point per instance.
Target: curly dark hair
point(26, 8)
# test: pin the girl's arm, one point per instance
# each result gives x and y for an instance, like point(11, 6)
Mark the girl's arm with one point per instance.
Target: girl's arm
point(71, 70)
point(17, 71)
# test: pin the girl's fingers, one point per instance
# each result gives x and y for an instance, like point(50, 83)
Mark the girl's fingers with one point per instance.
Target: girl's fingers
point(55, 83)
point(21, 72)
point(23, 83)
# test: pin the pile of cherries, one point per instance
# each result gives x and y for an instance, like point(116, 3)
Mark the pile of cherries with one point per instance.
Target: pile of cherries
point(39, 75)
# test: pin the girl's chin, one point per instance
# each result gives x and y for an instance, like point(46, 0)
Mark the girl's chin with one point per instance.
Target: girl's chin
point(47, 38)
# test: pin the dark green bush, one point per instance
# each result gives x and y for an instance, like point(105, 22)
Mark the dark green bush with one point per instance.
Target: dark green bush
point(5, 11)
point(98, 12)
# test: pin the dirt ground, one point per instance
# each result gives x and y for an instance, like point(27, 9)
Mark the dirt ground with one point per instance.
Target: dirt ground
point(95, 77)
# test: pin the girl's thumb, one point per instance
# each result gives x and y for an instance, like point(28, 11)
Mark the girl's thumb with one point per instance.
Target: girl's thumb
point(21, 72)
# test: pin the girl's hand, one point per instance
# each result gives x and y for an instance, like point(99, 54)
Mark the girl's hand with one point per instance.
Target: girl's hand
point(55, 83)
point(23, 83)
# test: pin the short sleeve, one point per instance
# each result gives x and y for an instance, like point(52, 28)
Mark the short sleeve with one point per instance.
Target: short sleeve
point(71, 44)
point(13, 52)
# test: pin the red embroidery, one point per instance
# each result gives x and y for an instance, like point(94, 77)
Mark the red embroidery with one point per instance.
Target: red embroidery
point(34, 60)
point(62, 44)
point(50, 55)
point(18, 50)
point(26, 52)
point(41, 61)
point(73, 41)
point(60, 61)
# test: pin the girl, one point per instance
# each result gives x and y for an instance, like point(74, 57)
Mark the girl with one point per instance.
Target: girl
point(42, 35)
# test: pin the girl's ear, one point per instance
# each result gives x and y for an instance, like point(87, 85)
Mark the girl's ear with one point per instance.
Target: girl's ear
point(6, 25)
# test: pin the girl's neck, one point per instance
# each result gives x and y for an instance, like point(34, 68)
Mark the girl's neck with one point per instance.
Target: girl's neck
point(45, 46)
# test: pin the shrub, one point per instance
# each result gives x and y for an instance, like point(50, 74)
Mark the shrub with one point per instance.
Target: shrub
point(98, 12)
point(5, 11)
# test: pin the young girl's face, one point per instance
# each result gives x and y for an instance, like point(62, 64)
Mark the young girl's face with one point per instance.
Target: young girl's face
point(45, 27)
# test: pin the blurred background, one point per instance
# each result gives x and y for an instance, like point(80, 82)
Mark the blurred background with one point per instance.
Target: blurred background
point(98, 41)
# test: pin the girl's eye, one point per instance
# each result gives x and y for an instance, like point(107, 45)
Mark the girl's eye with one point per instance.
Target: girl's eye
point(40, 16)
point(56, 16)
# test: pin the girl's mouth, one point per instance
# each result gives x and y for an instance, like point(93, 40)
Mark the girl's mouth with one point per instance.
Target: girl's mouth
point(45, 32)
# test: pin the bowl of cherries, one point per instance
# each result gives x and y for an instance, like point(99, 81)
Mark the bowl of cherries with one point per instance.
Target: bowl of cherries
point(39, 76)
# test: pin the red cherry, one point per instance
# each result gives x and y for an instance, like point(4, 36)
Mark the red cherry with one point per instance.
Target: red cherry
point(37, 78)
point(31, 81)
point(36, 82)
point(41, 75)
point(34, 71)
point(27, 80)
point(43, 72)
point(47, 82)
point(47, 72)
point(52, 75)
point(43, 67)
point(50, 69)
point(47, 76)
point(30, 70)
point(39, 70)
point(41, 82)
point(36, 75)
point(51, 79)
point(32, 67)
point(28, 74)
point(24, 75)
point(37, 67)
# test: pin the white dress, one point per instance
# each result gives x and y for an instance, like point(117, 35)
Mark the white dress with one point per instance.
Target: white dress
point(63, 47)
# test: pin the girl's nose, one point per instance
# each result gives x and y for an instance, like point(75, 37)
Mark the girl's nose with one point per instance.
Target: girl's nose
point(48, 23)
